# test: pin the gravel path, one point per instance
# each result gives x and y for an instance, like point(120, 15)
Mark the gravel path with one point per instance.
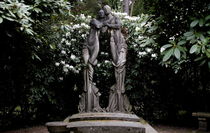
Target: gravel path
point(159, 128)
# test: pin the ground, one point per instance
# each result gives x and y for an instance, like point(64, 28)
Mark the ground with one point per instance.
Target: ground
point(159, 128)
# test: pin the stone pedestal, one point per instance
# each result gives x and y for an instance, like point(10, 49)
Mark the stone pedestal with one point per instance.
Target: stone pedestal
point(57, 127)
point(104, 123)
point(107, 123)
point(101, 123)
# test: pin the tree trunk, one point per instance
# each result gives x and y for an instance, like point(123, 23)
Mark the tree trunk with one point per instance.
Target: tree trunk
point(132, 6)
point(126, 6)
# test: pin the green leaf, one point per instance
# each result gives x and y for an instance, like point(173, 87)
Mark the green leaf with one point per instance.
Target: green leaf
point(177, 53)
point(52, 46)
point(168, 54)
point(173, 42)
point(202, 63)
point(207, 17)
point(164, 47)
point(182, 49)
point(29, 31)
point(1, 20)
point(207, 53)
point(194, 23)
point(37, 57)
point(209, 64)
point(199, 58)
point(37, 10)
point(201, 22)
point(181, 42)
point(202, 38)
point(190, 37)
point(193, 48)
point(8, 18)
point(190, 33)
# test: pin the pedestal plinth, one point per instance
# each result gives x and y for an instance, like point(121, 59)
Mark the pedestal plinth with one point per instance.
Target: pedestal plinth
point(101, 123)
point(107, 123)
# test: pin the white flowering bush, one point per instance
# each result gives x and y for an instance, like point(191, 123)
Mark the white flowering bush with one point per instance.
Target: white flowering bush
point(73, 37)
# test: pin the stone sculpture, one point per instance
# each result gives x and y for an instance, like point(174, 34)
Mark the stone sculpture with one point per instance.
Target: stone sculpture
point(118, 101)
point(117, 117)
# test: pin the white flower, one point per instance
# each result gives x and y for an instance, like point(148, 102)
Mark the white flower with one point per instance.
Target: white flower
point(83, 35)
point(63, 52)
point(73, 40)
point(148, 24)
point(172, 38)
point(63, 62)
point(142, 53)
point(68, 34)
point(62, 40)
point(76, 26)
point(73, 57)
point(120, 14)
point(154, 55)
point(85, 25)
point(57, 64)
point(140, 37)
point(65, 69)
point(137, 29)
point(60, 78)
point(67, 65)
point(148, 50)
point(132, 18)
point(106, 61)
point(71, 67)
point(98, 65)
point(82, 16)
point(143, 23)
point(76, 71)
point(68, 43)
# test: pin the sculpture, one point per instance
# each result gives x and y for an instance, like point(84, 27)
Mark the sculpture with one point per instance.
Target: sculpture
point(118, 101)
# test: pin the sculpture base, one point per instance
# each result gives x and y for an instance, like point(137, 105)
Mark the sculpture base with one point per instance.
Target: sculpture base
point(106, 123)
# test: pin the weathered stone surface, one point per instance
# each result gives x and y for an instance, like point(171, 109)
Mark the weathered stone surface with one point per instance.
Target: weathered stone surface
point(103, 116)
point(57, 127)
point(108, 123)
point(105, 126)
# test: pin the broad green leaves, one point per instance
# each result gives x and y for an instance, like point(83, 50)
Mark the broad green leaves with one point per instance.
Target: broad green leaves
point(196, 41)
point(173, 49)
point(193, 49)
point(21, 13)
point(177, 53)
point(168, 54)
point(194, 23)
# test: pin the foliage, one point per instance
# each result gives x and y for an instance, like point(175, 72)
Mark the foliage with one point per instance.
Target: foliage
point(195, 41)
point(25, 81)
point(23, 13)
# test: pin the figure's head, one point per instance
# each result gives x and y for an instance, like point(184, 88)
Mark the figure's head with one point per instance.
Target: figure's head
point(101, 14)
point(107, 9)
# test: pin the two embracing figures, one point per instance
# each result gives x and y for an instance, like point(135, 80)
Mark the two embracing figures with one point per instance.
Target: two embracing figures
point(118, 101)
